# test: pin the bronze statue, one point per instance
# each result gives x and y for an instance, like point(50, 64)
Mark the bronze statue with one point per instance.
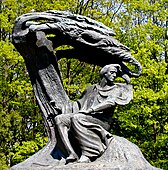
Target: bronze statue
point(77, 131)
point(91, 123)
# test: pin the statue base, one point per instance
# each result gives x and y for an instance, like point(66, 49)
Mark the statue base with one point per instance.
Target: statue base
point(120, 155)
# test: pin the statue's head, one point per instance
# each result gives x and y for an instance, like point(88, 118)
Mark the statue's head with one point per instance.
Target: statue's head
point(110, 72)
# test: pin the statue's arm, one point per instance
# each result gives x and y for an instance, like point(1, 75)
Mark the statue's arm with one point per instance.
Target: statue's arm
point(107, 103)
point(102, 106)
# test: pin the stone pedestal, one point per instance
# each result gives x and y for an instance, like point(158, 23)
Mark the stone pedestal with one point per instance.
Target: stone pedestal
point(120, 155)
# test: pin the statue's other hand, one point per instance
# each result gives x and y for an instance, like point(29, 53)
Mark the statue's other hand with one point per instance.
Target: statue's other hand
point(86, 111)
point(83, 111)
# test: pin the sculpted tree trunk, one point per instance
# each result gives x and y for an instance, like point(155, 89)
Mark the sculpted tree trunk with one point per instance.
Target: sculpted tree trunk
point(93, 43)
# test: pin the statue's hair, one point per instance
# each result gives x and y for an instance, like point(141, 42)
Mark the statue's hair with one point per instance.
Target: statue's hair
point(106, 67)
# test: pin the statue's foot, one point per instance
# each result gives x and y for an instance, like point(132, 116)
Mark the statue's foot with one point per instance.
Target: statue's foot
point(71, 158)
point(84, 159)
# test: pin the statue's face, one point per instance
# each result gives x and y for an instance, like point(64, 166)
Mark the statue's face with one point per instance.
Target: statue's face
point(111, 74)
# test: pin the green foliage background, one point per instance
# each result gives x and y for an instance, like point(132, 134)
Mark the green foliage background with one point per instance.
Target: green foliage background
point(142, 25)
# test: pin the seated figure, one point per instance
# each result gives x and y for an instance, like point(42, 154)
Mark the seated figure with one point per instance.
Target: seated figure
point(90, 124)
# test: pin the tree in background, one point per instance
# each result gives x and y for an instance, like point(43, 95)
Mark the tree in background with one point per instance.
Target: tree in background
point(139, 24)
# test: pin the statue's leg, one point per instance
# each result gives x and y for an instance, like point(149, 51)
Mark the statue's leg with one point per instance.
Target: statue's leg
point(63, 123)
point(91, 136)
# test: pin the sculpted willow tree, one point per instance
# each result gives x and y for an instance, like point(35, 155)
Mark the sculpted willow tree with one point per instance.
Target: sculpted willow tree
point(86, 121)
point(141, 25)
